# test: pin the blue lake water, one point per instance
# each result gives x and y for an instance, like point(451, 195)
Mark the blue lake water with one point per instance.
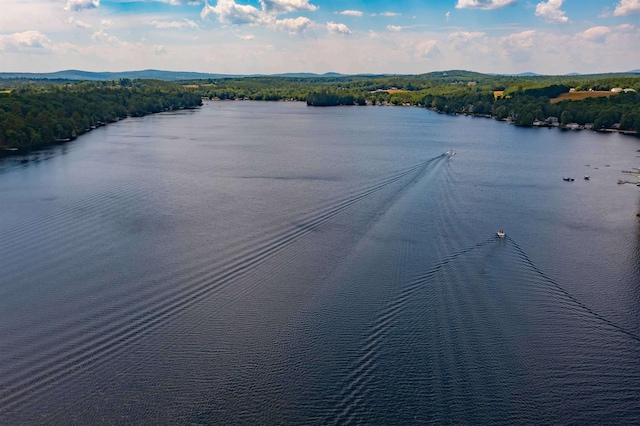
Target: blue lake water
point(275, 263)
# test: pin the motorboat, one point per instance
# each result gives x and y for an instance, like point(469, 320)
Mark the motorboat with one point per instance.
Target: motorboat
point(501, 233)
point(568, 179)
point(587, 177)
point(450, 153)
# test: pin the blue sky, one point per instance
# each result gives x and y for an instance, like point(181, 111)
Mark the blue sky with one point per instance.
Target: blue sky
point(350, 36)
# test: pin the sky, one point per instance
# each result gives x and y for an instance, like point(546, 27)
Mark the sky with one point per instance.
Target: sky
point(318, 36)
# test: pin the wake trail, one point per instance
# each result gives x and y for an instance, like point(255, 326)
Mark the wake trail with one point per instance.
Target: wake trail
point(556, 286)
point(142, 314)
point(361, 372)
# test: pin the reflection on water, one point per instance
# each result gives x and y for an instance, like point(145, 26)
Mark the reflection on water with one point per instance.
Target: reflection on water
point(10, 161)
point(273, 263)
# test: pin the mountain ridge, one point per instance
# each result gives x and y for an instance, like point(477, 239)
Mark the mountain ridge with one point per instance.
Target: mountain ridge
point(77, 75)
point(145, 74)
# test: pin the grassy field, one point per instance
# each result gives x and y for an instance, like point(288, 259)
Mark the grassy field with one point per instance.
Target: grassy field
point(578, 96)
point(392, 91)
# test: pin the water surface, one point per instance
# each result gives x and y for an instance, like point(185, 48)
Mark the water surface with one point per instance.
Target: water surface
point(274, 263)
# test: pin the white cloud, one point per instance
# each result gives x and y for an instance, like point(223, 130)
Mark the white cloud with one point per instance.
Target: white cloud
point(389, 14)
point(551, 12)
point(283, 6)
point(191, 23)
point(78, 5)
point(522, 40)
point(447, 16)
point(595, 34)
point(519, 46)
point(464, 36)
point(625, 27)
point(469, 43)
point(78, 23)
point(175, 24)
point(627, 7)
point(398, 28)
point(246, 37)
point(484, 4)
point(428, 49)
point(103, 37)
point(159, 50)
point(229, 12)
point(27, 41)
point(182, 2)
point(340, 29)
point(351, 12)
point(294, 25)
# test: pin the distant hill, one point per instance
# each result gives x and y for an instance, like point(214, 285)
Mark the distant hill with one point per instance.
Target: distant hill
point(302, 75)
point(75, 75)
point(523, 74)
point(144, 74)
point(91, 76)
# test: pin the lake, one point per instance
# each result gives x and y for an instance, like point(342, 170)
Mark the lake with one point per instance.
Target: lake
point(261, 263)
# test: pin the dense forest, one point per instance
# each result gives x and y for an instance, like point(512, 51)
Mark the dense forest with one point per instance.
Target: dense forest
point(523, 100)
point(39, 112)
point(332, 98)
point(528, 108)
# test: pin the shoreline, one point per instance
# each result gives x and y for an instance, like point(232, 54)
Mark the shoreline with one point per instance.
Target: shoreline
point(22, 150)
point(568, 127)
point(15, 151)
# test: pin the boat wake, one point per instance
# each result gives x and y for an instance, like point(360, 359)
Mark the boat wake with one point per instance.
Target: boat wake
point(100, 331)
point(466, 323)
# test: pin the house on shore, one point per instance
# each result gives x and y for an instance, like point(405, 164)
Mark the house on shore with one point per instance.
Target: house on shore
point(553, 121)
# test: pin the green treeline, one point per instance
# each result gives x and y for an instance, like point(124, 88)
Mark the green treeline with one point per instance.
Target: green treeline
point(32, 116)
point(525, 99)
point(415, 87)
point(331, 98)
point(525, 109)
point(34, 113)
point(602, 113)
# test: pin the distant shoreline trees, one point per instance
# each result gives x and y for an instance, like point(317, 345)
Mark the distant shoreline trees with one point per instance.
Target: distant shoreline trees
point(36, 113)
point(332, 98)
point(41, 115)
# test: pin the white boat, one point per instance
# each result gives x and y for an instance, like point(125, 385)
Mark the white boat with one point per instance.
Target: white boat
point(450, 153)
point(501, 233)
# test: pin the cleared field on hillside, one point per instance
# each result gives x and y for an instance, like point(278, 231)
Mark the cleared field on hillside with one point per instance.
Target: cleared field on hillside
point(578, 96)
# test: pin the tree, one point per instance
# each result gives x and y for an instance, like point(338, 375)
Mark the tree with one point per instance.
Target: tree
point(502, 112)
point(526, 119)
point(605, 119)
point(630, 120)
